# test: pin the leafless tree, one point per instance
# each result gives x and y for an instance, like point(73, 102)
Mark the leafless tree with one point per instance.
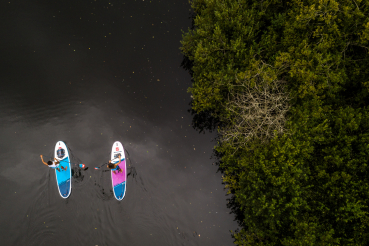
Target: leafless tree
point(259, 103)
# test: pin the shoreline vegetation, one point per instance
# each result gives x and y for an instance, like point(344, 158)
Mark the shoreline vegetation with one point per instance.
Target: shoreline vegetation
point(286, 84)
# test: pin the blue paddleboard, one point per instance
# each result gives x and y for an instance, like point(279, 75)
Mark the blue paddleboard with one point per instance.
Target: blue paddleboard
point(63, 178)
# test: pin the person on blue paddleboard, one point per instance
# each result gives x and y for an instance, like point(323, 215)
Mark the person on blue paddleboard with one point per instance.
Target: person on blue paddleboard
point(54, 164)
point(115, 167)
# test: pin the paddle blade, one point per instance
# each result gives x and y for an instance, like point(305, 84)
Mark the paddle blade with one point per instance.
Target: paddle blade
point(82, 165)
point(97, 168)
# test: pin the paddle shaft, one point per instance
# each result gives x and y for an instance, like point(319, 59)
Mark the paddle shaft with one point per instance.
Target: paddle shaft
point(62, 160)
point(107, 164)
point(101, 166)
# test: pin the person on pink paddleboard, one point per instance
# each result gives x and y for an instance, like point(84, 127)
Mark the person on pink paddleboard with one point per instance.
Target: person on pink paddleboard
point(115, 167)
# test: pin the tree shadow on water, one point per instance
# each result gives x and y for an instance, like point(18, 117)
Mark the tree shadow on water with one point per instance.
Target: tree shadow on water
point(206, 122)
point(203, 121)
point(235, 208)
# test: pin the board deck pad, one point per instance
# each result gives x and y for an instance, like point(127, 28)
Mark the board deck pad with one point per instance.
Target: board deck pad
point(119, 179)
point(63, 178)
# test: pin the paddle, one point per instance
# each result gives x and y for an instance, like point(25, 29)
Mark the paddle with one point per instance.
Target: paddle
point(97, 168)
point(100, 166)
point(80, 165)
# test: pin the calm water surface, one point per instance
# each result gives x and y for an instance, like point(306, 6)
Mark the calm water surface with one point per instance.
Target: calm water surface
point(90, 73)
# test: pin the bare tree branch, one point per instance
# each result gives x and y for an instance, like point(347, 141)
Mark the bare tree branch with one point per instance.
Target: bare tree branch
point(260, 104)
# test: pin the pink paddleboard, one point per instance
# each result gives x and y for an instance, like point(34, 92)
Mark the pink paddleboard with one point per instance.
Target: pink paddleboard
point(119, 178)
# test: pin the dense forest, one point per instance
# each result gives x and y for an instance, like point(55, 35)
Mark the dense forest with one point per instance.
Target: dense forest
point(285, 84)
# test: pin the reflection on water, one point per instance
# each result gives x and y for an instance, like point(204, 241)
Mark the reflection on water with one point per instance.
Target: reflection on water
point(131, 171)
point(77, 174)
point(90, 79)
point(102, 184)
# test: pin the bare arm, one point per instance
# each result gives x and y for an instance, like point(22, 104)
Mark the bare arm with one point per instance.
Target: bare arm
point(43, 161)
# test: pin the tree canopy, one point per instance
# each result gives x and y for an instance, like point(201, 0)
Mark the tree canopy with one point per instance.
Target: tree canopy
point(288, 81)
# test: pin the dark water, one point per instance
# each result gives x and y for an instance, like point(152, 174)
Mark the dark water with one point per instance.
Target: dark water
point(90, 73)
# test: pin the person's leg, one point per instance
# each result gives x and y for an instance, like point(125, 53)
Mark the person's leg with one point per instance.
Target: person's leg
point(58, 169)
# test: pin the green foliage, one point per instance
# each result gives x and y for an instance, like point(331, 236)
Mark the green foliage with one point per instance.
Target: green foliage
point(310, 185)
